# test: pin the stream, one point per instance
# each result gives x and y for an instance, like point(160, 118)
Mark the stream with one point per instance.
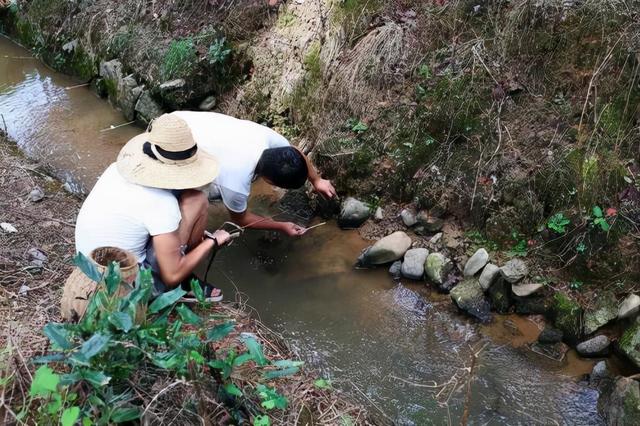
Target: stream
point(401, 348)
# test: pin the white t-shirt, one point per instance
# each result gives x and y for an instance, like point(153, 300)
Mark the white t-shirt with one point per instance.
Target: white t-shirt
point(121, 214)
point(237, 145)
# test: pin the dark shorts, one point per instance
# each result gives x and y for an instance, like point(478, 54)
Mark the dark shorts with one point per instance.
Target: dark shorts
point(151, 262)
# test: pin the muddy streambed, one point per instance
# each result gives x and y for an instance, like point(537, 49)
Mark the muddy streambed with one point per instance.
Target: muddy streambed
point(397, 346)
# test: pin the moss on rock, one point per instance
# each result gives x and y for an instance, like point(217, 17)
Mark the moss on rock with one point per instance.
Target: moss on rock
point(568, 317)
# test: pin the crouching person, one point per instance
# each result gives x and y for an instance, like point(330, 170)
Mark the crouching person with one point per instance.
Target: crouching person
point(147, 203)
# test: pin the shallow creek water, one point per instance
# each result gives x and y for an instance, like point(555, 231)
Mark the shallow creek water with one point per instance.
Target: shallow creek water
point(397, 346)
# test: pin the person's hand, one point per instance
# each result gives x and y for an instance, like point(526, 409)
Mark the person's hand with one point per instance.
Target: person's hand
point(221, 236)
point(293, 230)
point(325, 188)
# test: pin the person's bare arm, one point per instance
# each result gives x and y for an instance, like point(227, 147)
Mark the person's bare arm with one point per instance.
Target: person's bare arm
point(254, 221)
point(321, 186)
point(174, 267)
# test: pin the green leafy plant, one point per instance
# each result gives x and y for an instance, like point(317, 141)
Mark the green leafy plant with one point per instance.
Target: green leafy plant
point(357, 126)
point(576, 285)
point(599, 219)
point(581, 248)
point(218, 52)
point(558, 223)
point(113, 341)
point(519, 248)
point(179, 60)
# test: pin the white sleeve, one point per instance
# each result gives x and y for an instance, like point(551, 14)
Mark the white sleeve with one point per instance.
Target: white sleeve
point(234, 201)
point(275, 139)
point(164, 216)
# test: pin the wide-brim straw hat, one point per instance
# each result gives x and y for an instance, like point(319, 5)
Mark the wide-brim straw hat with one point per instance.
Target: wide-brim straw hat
point(166, 157)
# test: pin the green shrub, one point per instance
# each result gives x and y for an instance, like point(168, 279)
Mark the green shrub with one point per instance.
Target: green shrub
point(101, 353)
point(179, 60)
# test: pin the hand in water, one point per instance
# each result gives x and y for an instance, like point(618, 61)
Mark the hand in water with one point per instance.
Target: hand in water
point(325, 188)
point(293, 230)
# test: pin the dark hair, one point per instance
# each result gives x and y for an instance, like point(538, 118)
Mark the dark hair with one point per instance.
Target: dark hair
point(284, 167)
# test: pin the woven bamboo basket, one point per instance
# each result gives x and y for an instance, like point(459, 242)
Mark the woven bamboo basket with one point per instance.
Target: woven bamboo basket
point(79, 288)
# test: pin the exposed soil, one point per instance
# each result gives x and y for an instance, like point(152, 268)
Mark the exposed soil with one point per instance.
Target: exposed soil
point(30, 293)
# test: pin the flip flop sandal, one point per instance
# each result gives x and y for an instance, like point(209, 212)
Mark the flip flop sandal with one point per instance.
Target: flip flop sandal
point(211, 293)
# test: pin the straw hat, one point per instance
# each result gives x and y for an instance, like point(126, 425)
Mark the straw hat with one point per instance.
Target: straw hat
point(166, 157)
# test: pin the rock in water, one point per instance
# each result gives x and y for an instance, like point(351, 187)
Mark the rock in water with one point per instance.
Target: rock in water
point(514, 270)
point(600, 372)
point(629, 307)
point(595, 347)
point(550, 335)
point(408, 218)
point(568, 317)
point(629, 343)
point(353, 213)
point(524, 290)
point(499, 295)
point(387, 250)
point(36, 195)
point(604, 311)
point(413, 264)
point(621, 405)
point(488, 275)
point(476, 262)
point(437, 267)
point(395, 270)
point(469, 296)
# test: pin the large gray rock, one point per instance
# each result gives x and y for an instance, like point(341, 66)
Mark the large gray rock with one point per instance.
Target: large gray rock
point(437, 268)
point(476, 262)
point(629, 343)
point(629, 307)
point(621, 405)
point(413, 264)
point(128, 94)
point(567, 317)
point(353, 213)
point(111, 70)
point(387, 250)
point(469, 296)
point(488, 275)
point(594, 347)
point(525, 290)
point(604, 311)
point(147, 108)
point(514, 270)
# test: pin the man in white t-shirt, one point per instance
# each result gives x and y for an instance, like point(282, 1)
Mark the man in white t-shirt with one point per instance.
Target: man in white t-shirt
point(132, 205)
point(245, 151)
